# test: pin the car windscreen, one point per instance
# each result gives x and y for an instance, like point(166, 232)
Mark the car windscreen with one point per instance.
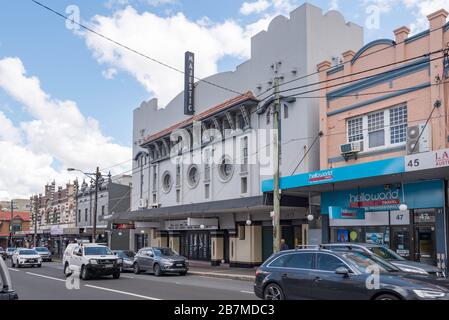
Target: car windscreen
point(97, 251)
point(41, 249)
point(365, 262)
point(164, 252)
point(11, 249)
point(386, 253)
point(27, 252)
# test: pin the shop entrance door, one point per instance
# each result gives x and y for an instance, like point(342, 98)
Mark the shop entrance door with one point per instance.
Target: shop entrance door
point(401, 241)
point(425, 245)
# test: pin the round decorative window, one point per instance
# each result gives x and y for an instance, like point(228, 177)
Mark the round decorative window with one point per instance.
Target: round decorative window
point(226, 169)
point(193, 176)
point(166, 182)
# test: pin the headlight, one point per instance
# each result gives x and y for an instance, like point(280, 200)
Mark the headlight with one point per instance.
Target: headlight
point(427, 294)
point(410, 270)
point(167, 264)
point(93, 261)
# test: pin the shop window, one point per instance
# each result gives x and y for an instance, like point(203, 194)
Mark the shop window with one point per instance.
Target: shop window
point(241, 231)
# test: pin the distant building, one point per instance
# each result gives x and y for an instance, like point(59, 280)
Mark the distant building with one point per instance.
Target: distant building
point(22, 205)
point(56, 216)
point(114, 195)
point(20, 228)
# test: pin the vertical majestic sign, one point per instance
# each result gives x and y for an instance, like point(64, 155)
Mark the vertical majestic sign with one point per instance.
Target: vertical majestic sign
point(189, 84)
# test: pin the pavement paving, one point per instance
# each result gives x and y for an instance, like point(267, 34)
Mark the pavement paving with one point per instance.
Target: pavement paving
point(49, 283)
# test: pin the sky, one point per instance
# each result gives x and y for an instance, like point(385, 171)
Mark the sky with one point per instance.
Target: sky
point(67, 96)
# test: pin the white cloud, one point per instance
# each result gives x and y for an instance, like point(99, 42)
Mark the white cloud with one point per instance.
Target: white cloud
point(167, 38)
point(420, 9)
point(258, 6)
point(58, 133)
point(110, 73)
point(333, 5)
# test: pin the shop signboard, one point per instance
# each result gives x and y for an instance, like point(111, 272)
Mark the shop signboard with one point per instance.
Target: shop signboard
point(427, 160)
point(347, 213)
point(418, 195)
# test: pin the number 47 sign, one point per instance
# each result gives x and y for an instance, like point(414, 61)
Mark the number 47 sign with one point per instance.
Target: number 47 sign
point(428, 160)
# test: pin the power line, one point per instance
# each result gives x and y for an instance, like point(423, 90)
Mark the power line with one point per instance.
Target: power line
point(342, 64)
point(320, 134)
point(131, 49)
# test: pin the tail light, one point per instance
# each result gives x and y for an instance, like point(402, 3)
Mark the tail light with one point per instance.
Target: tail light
point(261, 273)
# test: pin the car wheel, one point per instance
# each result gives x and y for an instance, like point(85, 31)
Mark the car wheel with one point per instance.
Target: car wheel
point(136, 268)
point(273, 292)
point(157, 270)
point(39, 265)
point(84, 273)
point(387, 297)
point(67, 271)
point(116, 275)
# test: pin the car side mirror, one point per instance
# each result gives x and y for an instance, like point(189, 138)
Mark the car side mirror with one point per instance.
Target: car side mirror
point(342, 271)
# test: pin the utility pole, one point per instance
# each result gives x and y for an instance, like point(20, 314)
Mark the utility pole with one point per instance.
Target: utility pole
point(94, 225)
point(35, 221)
point(276, 155)
point(10, 223)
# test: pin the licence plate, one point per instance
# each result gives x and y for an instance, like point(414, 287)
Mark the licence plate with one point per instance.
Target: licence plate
point(109, 266)
point(179, 265)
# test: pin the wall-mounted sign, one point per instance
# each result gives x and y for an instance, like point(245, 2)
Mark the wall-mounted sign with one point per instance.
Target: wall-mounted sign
point(123, 226)
point(189, 84)
point(427, 160)
point(321, 176)
point(346, 213)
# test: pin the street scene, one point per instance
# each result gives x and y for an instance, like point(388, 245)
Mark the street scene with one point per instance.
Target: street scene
point(248, 151)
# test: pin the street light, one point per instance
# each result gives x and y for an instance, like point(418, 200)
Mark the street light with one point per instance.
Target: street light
point(96, 177)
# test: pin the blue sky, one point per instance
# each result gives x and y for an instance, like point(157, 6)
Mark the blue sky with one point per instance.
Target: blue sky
point(69, 68)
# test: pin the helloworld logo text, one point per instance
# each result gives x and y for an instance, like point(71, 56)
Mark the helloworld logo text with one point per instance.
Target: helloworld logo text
point(385, 200)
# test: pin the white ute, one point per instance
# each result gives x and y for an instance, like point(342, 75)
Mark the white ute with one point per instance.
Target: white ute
point(91, 260)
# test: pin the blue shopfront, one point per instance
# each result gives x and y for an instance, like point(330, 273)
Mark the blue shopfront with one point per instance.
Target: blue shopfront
point(374, 215)
point(379, 202)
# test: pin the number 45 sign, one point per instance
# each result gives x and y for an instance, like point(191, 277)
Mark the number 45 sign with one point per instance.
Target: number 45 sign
point(427, 160)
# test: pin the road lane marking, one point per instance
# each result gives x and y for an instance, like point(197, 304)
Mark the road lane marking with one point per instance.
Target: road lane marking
point(122, 292)
point(14, 270)
point(127, 277)
point(46, 277)
point(244, 291)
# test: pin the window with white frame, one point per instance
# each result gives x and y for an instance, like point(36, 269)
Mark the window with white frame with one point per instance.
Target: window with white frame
point(398, 124)
point(381, 129)
point(376, 130)
point(244, 146)
point(355, 129)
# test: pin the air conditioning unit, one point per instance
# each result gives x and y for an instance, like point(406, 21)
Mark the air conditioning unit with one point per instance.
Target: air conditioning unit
point(351, 148)
point(143, 204)
point(424, 133)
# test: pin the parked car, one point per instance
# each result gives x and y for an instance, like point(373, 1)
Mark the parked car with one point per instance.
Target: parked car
point(160, 261)
point(320, 274)
point(128, 259)
point(390, 256)
point(26, 257)
point(6, 290)
point(9, 252)
point(91, 260)
point(44, 253)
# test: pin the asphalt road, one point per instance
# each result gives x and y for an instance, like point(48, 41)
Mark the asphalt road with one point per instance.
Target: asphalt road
point(49, 283)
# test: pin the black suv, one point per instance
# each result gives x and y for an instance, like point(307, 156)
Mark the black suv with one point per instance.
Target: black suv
point(347, 275)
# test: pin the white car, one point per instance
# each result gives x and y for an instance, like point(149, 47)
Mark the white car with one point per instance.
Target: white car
point(91, 260)
point(26, 257)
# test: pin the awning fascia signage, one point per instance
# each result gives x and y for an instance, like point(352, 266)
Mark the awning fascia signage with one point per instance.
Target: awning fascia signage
point(346, 173)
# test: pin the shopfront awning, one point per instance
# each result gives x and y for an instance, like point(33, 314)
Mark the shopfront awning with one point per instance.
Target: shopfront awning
point(419, 167)
point(257, 203)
